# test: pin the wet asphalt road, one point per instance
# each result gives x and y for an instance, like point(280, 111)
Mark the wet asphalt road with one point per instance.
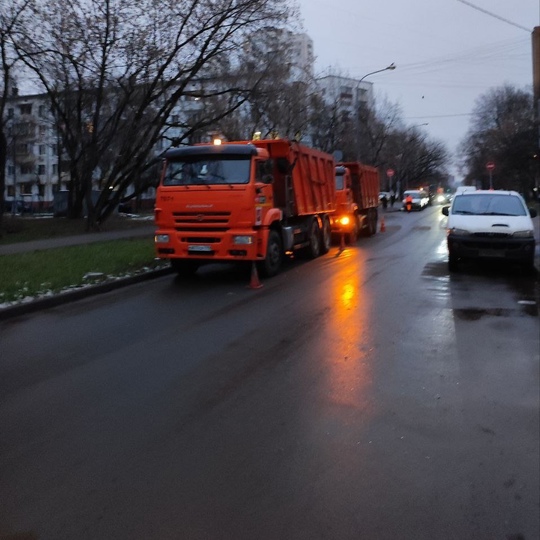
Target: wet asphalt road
point(366, 394)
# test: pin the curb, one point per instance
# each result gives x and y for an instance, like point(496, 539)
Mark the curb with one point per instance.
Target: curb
point(78, 294)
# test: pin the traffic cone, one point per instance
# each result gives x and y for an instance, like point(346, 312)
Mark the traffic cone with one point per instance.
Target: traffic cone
point(383, 226)
point(254, 282)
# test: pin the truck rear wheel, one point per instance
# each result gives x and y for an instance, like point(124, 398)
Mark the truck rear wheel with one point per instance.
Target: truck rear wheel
point(274, 256)
point(372, 222)
point(314, 238)
point(326, 236)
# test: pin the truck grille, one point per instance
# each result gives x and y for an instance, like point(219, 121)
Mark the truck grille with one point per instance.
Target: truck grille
point(201, 221)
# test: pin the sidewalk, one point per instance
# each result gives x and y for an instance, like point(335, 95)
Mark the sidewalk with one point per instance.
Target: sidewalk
point(78, 293)
point(76, 240)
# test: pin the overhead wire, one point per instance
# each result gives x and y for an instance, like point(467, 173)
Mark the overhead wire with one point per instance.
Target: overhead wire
point(482, 10)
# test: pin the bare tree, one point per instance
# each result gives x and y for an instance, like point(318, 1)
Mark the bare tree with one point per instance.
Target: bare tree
point(502, 131)
point(416, 159)
point(277, 103)
point(327, 130)
point(116, 71)
point(377, 124)
point(12, 18)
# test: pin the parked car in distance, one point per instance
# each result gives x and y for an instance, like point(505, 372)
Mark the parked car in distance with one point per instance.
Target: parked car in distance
point(490, 224)
point(420, 199)
point(444, 197)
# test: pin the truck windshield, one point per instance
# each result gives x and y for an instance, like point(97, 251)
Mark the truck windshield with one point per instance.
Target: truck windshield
point(488, 205)
point(207, 170)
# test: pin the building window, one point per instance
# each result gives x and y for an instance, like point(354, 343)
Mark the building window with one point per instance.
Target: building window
point(22, 149)
point(26, 188)
point(42, 149)
point(55, 168)
point(10, 113)
point(42, 131)
point(26, 108)
point(11, 191)
point(41, 111)
point(41, 190)
point(11, 170)
point(41, 169)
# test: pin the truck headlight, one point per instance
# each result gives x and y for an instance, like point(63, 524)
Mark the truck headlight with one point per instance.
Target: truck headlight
point(344, 220)
point(523, 234)
point(161, 238)
point(243, 240)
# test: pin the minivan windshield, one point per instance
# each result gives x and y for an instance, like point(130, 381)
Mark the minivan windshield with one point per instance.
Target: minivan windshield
point(488, 205)
point(207, 170)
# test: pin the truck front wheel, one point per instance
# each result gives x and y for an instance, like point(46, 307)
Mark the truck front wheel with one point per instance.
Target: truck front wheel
point(274, 256)
point(352, 237)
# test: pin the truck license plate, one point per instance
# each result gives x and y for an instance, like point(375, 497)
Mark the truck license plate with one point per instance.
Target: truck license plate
point(199, 248)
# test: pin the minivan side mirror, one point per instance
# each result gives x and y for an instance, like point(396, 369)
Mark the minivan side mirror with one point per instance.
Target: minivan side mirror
point(445, 210)
point(533, 212)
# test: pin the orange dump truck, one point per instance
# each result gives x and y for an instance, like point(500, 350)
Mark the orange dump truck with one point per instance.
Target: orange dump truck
point(244, 201)
point(357, 200)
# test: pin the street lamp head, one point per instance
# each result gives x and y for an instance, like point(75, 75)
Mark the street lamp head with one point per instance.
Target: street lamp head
point(391, 67)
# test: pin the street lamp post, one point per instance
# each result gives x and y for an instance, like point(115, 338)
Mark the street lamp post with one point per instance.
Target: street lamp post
point(391, 67)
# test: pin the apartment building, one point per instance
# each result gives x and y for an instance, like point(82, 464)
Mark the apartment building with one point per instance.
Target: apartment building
point(32, 169)
point(36, 169)
point(345, 93)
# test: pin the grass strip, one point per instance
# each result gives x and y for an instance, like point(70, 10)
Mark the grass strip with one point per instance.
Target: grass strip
point(40, 272)
point(17, 229)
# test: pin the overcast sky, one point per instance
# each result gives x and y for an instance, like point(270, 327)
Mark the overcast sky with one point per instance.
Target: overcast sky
point(447, 53)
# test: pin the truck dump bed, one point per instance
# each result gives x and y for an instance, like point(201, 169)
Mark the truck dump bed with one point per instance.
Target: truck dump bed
point(303, 178)
point(365, 184)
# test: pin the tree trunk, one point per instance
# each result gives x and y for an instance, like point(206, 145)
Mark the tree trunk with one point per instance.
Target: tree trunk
point(3, 159)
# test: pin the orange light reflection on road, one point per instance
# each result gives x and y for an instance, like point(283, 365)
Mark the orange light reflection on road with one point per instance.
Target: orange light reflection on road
point(349, 366)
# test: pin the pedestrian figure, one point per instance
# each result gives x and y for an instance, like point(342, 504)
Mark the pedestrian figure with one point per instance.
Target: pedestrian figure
point(392, 199)
point(408, 203)
point(384, 201)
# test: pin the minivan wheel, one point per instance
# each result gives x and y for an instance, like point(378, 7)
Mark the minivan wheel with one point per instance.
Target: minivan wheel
point(452, 262)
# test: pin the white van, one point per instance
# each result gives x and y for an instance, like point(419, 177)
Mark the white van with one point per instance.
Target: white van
point(489, 224)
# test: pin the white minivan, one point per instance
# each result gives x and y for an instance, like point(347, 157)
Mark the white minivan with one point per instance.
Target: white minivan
point(489, 224)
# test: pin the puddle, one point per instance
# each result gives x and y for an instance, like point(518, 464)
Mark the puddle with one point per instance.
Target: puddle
point(436, 269)
point(474, 314)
